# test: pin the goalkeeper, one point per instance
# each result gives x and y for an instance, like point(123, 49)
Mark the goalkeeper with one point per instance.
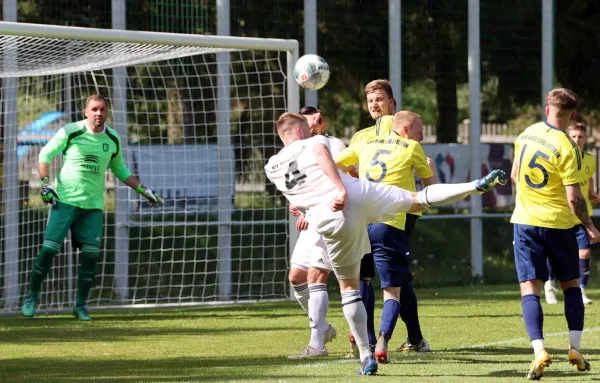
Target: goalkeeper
point(89, 148)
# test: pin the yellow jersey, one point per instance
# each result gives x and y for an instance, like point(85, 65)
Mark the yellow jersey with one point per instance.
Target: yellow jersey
point(384, 156)
point(588, 168)
point(548, 160)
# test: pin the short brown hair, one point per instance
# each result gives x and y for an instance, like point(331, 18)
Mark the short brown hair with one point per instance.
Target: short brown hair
point(562, 98)
point(288, 119)
point(379, 85)
point(404, 117)
point(96, 97)
point(579, 126)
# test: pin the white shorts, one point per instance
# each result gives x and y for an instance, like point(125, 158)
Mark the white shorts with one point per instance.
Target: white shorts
point(345, 232)
point(310, 251)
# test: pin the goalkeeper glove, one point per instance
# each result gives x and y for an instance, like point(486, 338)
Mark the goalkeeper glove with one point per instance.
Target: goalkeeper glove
point(153, 198)
point(47, 192)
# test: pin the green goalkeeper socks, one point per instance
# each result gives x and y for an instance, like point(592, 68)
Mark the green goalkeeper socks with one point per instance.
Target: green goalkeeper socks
point(87, 273)
point(41, 267)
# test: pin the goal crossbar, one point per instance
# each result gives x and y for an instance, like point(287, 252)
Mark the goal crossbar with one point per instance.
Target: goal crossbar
point(142, 37)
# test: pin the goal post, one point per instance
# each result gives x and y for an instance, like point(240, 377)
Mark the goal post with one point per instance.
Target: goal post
point(196, 115)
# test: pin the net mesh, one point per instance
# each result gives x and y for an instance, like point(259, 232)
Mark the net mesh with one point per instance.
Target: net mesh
point(174, 143)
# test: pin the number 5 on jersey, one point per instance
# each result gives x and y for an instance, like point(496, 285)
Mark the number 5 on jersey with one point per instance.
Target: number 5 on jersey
point(376, 162)
point(534, 164)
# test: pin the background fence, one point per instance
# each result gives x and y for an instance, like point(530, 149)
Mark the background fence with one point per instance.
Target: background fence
point(359, 41)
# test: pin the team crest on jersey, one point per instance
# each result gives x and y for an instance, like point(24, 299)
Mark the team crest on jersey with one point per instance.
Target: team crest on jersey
point(105, 147)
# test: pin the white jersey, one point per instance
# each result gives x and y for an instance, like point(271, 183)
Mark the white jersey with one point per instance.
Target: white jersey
point(297, 174)
point(335, 145)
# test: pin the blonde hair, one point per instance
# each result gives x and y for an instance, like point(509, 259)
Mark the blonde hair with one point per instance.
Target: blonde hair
point(404, 117)
point(562, 99)
point(379, 85)
point(288, 121)
point(96, 97)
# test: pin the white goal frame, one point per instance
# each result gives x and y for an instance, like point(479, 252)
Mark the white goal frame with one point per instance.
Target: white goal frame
point(122, 221)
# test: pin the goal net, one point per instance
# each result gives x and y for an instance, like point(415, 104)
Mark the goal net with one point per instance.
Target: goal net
point(196, 116)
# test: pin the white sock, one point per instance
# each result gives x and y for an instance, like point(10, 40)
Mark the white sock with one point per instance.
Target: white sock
point(444, 194)
point(356, 315)
point(317, 312)
point(301, 294)
point(575, 339)
point(538, 345)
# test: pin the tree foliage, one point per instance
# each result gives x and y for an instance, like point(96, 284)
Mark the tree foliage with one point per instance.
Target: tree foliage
point(353, 38)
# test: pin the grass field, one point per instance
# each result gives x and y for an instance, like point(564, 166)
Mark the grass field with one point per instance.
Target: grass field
point(476, 333)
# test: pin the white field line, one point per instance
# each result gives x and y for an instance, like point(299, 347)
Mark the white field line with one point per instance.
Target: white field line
point(523, 339)
point(481, 345)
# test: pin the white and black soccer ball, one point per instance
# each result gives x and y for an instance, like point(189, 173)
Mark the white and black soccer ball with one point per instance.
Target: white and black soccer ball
point(311, 72)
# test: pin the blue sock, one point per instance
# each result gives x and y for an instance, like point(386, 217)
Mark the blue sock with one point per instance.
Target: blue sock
point(389, 317)
point(584, 272)
point(574, 309)
point(533, 316)
point(550, 275)
point(409, 313)
point(368, 297)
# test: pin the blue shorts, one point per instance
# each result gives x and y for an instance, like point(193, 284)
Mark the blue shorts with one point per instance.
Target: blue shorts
point(583, 239)
point(534, 245)
point(391, 252)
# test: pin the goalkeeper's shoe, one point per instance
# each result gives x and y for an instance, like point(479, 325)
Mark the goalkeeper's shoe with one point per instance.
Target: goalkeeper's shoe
point(29, 306)
point(368, 366)
point(576, 359)
point(81, 313)
point(309, 352)
point(329, 334)
point(381, 348)
point(422, 346)
point(536, 368)
point(492, 180)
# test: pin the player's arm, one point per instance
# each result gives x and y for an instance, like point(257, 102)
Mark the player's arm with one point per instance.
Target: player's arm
point(594, 198)
point(56, 145)
point(424, 166)
point(514, 171)
point(578, 204)
point(347, 159)
point(570, 172)
point(434, 179)
point(326, 163)
point(119, 169)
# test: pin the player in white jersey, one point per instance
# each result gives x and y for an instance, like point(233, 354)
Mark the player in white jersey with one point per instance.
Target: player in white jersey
point(309, 264)
point(340, 207)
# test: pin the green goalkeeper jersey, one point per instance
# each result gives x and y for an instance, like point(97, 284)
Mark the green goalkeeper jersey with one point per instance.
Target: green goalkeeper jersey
point(86, 157)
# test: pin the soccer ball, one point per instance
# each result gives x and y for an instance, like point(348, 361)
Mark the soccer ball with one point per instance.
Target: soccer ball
point(311, 72)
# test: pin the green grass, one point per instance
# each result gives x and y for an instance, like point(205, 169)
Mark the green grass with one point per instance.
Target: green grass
point(477, 335)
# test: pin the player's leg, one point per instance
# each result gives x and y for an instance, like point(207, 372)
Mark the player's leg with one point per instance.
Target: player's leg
point(87, 234)
point(550, 287)
point(585, 252)
point(345, 235)
point(367, 294)
point(584, 273)
point(391, 254)
point(367, 273)
point(530, 262)
point(59, 220)
point(299, 267)
point(566, 266)
point(409, 310)
point(386, 201)
point(444, 194)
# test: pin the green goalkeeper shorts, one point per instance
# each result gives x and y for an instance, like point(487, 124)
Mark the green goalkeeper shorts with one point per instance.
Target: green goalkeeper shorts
point(86, 225)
